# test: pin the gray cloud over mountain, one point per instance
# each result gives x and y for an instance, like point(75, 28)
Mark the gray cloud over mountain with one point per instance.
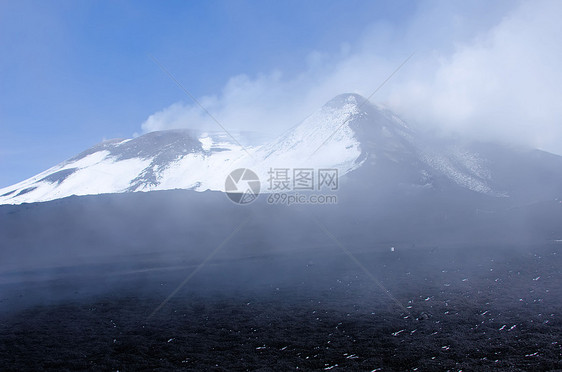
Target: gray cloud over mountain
point(484, 71)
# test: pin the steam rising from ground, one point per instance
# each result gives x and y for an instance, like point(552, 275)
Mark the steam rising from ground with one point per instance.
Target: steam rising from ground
point(497, 78)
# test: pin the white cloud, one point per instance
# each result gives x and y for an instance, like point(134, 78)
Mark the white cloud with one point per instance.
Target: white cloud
point(505, 84)
point(495, 79)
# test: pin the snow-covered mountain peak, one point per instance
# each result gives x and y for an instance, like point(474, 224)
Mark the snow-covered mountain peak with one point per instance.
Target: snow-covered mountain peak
point(324, 139)
point(348, 133)
point(344, 99)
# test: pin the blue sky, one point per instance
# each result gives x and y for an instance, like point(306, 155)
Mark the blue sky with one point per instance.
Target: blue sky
point(73, 73)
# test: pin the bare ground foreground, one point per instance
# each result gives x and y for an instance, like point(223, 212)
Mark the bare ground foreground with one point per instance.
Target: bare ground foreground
point(451, 308)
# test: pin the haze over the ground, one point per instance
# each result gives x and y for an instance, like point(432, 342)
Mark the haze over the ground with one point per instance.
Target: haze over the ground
point(77, 73)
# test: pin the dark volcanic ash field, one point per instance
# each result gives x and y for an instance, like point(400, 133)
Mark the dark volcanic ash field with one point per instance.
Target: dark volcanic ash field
point(466, 308)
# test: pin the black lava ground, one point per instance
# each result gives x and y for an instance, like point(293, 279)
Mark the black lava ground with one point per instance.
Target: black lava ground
point(445, 309)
